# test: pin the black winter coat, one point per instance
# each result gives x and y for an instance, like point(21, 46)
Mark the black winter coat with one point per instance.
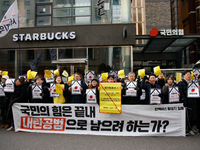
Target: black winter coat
point(191, 103)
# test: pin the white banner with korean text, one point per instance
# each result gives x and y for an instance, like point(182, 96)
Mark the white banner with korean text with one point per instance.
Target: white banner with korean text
point(135, 120)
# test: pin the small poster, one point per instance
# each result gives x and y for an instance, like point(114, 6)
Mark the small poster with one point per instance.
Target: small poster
point(113, 73)
point(9, 85)
point(36, 91)
point(76, 85)
point(154, 96)
point(193, 91)
point(59, 89)
point(91, 96)
point(90, 75)
point(196, 73)
point(131, 85)
point(49, 76)
point(173, 94)
point(53, 91)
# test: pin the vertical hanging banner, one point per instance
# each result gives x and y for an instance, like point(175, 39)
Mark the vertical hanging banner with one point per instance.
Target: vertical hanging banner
point(76, 85)
point(193, 91)
point(9, 85)
point(110, 98)
point(154, 96)
point(36, 91)
point(91, 96)
point(173, 94)
point(10, 19)
point(131, 85)
point(49, 76)
point(90, 75)
point(113, 73)
point(53, 91)
point(196, 73)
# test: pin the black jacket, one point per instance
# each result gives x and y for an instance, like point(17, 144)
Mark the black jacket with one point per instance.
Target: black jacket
point(44, 94)
point(20, 94)
point(130, 99)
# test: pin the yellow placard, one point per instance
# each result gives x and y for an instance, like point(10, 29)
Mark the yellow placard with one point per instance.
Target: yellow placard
point(33, 74)
point(70, 79)
point(110, 98)
point(59, 88)
point(65, 73)
point(104, 76)
point(47, 74)
point(29, 75)
point(4, 73)
point(157, 70)
point(56, 72)
point(85, 71)
point(141, 73)
point(72, 75)
point(178, 76)
point(121, 74)
point(192, 75)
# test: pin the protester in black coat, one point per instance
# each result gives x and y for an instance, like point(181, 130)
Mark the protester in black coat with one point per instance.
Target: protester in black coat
point(131, 99)
point(165, 90)
point(45, 91)
point(77, 98)
point(19, 95)
point(189, 103)
point(160, 81)
point(148, 85)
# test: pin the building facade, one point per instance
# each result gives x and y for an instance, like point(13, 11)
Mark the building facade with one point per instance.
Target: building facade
point(72, 35)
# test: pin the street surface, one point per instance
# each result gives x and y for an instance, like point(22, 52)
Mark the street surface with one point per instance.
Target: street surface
point(41, 141)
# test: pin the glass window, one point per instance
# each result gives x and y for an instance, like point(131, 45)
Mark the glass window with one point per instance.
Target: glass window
point(65, 53)
point(27, 2)
point(30, 54)
point(139, 14)
point(81, 3)
point(140, 28)
point(62, 3)
point(45, 20)
point(81, 11)
point(139, 2)
point(43, 1)
point(81, 20)
point(6, 3)
point(44, 9)
point(62, 12)
point(134, 14)
point(79, 53)
point(101, 12)
point(111, 58)
point(62, 21)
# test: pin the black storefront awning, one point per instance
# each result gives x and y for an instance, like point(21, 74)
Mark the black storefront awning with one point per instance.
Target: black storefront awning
point(159, 44)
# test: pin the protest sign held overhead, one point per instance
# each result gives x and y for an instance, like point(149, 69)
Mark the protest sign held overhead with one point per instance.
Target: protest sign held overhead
point(121, 74)
point(104, 76)
point(113, 73)
point(141, 73)
point(157, 70)
point(49, 76)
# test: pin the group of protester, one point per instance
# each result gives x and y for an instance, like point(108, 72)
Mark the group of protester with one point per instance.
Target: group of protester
point(23, 93)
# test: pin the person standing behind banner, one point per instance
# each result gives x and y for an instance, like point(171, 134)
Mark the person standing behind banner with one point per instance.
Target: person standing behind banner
point(19, 95)
point(189, 103)
point(94, 84)
point(45, 92)
point(78, 98)
point(4, 103)
point(165, 89)
point(148, 85)
point(62, 98)
point(131, 99)
point(161, 81)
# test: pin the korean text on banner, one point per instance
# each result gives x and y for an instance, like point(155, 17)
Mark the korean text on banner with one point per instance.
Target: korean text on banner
point(135, 120)
point(110, 98)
